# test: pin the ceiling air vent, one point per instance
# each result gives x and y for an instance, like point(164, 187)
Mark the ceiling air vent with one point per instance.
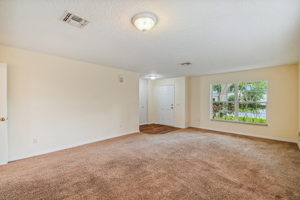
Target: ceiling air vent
point(186, 64)
point(74, 20)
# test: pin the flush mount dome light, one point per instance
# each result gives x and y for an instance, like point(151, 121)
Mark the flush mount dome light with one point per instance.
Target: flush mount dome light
point(144, 21)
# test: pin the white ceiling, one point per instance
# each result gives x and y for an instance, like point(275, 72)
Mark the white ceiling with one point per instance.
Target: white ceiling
point(215, 35)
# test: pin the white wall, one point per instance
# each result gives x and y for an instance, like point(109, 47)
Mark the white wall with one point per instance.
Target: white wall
point(180, 109)
point(143, 94)
point(54, 103)
point(282, 102)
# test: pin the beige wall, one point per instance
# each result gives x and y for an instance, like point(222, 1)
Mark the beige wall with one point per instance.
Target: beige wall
point(282, 103)
point(56, 103)
point(299, 99)
point(298, 106)
point(180, 111)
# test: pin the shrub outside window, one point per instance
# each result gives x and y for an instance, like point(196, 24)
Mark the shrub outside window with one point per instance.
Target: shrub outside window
point(244, 102)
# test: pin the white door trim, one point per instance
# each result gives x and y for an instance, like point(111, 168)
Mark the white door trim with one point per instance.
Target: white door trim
point(3, 113)
point(143, 101)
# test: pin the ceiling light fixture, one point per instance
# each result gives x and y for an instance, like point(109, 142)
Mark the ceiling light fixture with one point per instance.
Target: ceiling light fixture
point(144, 21)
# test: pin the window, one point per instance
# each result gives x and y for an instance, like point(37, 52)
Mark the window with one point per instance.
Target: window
point(240, 102)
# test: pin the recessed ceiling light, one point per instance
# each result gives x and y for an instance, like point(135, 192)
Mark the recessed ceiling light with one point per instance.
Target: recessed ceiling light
point(144, 21)
point(152, 76)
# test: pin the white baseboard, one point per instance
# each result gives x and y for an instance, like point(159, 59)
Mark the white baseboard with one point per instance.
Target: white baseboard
point(180, 126)
point(152, 123)
point(249, 134)
point(69, 146)
point(167, 125)
point(3, 163)
point(144, 123)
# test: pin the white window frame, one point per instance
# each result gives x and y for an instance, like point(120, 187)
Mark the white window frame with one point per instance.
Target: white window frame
point(236, 103)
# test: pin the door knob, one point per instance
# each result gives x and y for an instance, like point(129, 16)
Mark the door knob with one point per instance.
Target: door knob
point(2, 119)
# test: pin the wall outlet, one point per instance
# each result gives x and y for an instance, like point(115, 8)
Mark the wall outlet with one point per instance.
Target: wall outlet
point(121, 125)
point(121, 79)
point(34, 140)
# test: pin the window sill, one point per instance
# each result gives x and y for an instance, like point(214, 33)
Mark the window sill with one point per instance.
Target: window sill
point(248, 123)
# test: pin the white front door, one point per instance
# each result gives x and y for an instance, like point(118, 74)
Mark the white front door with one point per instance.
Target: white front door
point(3, 115)
point(165, 100)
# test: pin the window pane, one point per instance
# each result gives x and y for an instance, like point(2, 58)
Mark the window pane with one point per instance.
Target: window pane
point(253, 113)
point(216, 91)
point(223, 111)
point(229, 114)
point(217, 110)
point(230, 92)
point(223, 92)
point(230, 107)
point(253, 92)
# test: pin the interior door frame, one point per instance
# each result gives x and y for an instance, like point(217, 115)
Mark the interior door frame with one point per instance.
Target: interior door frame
point(174, 107)
point(4, 137)
point(146, 98)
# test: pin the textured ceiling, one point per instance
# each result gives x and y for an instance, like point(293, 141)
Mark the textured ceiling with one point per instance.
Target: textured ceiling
point(215, 35)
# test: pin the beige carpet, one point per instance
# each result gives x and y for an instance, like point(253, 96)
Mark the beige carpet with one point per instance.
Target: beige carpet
point(186, 164)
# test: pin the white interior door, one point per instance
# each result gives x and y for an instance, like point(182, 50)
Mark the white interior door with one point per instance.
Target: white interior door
point(3, 115)
point(143, 93)
point(165, 100)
